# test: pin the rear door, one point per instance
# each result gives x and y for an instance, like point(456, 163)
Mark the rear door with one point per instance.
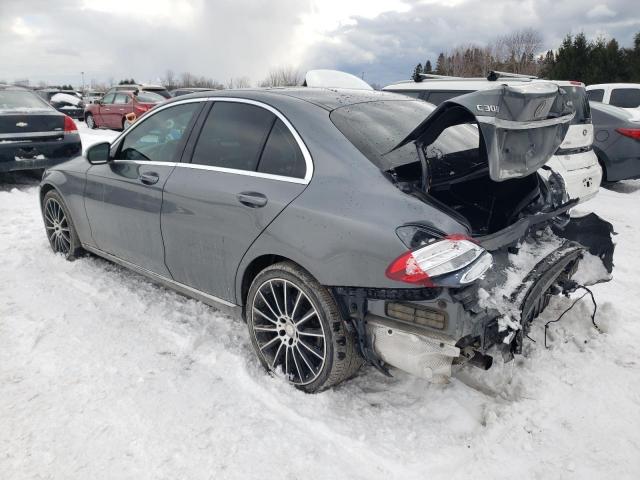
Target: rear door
point(123, 198)
point(122, 105)
point(104, 110)
point(247, 165)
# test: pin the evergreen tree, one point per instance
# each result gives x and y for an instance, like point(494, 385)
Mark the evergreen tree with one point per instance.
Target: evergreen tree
point(441, 68)
point(416, 73)
point(427, 67)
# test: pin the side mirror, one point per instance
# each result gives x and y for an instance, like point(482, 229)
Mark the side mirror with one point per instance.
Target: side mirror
point(99, 153)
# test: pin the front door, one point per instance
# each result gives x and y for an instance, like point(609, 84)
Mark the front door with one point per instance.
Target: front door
point(104, 110)
point(123, 198)
point(246, 168)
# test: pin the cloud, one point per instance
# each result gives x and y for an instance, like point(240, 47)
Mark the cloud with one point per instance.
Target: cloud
point(601, 11)
point(386, 48)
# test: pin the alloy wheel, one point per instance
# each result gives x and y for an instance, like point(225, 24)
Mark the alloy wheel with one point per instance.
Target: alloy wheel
point(288, 331)
point(55, 221)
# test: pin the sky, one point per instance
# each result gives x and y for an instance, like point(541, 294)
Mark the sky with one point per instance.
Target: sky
point(54, 41)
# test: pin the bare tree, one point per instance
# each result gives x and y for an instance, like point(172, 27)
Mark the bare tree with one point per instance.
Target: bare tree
point(241, 82)
point(517, 50)
point(169, 80)
point(282, 77)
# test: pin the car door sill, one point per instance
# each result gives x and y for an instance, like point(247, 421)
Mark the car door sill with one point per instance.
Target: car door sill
point(185, 290)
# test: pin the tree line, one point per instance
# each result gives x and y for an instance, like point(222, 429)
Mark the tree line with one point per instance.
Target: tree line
point(595, 61)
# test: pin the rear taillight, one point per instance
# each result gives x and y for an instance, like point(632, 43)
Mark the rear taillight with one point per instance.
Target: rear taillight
point(69, 125)
point(629, 132)
point(141, 108)
point(456, 253)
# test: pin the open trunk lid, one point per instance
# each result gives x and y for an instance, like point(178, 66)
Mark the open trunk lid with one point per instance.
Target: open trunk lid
point(520, 127)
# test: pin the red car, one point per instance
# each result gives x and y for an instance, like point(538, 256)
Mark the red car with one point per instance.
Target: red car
point(111, 111)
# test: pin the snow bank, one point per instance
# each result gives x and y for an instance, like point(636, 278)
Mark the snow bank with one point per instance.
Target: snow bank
point(104, 375)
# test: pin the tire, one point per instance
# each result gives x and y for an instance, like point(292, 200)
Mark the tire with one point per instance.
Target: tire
point(303, 337)
point(59, 226)
point(91, 123)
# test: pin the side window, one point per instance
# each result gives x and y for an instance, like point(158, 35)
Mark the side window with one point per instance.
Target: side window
point(233, 136)
point(595, 95)
point(157, 137)
point(281, 154)
point(122, 99)
point(108, 98)
point(625, 97)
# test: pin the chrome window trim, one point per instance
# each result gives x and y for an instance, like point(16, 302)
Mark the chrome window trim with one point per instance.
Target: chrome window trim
point(303, 148)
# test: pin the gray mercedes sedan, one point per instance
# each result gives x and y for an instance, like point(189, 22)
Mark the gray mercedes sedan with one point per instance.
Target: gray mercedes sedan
point(344, 226)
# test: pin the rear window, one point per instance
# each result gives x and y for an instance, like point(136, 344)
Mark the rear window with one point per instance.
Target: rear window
point(576, 98)
point(595, 95)
point(159, 91)
point(625, 97)
point(149, 97)
point(375, 128)
point(21, 100)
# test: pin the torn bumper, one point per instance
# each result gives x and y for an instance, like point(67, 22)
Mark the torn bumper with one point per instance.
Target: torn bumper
point(426, 331)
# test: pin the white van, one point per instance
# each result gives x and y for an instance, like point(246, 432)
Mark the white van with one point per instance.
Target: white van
point(623, 95)
point(574, 160)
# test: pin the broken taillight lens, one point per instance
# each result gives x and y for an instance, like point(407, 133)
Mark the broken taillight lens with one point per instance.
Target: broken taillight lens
point(629, 132)
point(441, 257)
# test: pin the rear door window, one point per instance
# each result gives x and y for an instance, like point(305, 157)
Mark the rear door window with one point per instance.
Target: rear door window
point(109, 98)
point(233, 136)
point(625, 97)
point(281, 154)
point(595, 95)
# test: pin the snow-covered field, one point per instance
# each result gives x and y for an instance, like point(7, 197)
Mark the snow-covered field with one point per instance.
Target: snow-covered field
point(104, 375)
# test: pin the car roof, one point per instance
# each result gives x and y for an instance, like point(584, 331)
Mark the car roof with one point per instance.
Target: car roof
point(13, 87)
point(614, 85)
point(326, 98)
point(470, 83)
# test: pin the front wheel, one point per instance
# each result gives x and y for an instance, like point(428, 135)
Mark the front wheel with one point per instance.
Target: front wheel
point(297, 331)
point(61, 232)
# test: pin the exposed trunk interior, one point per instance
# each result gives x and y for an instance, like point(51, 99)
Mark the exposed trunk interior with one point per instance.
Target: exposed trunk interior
point(461, 183)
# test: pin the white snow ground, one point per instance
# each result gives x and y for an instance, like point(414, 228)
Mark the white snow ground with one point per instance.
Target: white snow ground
point(105, 376)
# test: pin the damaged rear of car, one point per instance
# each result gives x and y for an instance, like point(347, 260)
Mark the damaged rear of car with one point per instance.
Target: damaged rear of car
point(476, 159)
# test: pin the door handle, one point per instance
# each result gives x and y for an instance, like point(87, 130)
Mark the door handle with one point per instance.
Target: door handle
point(149, 178)
point(252, 199)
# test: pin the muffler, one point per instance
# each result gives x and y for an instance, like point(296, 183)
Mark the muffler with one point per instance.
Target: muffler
point(412, 350)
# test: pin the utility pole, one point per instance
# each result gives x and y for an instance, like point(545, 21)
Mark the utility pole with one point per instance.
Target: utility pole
point(82, 82)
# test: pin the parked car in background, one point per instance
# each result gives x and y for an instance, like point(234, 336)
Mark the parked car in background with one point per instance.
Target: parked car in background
point(68, 102)
point(119, 108)
point(616, 141)
point(33, 135)
point(142, 87)
point(574, 160)
point(187, 90)
point(623, 95)
point(315, 214)
point(92, 96)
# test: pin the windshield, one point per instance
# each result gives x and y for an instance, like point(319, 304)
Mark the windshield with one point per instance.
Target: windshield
point(377, 127)
point(21, 100)
point(146, 96)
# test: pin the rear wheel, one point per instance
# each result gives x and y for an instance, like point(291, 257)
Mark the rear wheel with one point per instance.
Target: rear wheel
point(59, 226)
point(90, 121)
point(297, 331)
